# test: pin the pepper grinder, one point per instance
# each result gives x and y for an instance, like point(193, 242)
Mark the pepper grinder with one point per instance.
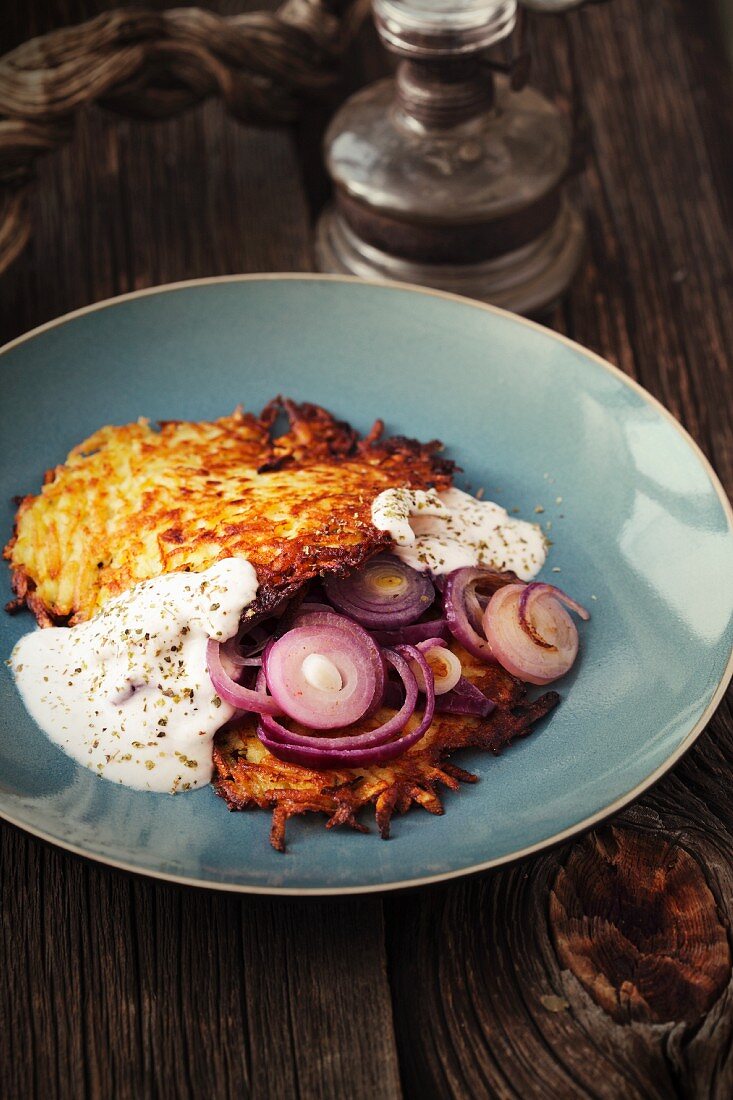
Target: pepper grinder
point(446, 175)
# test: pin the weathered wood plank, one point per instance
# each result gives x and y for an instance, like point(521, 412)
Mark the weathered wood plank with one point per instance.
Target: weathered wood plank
point(494, 1013)
point(129, 206)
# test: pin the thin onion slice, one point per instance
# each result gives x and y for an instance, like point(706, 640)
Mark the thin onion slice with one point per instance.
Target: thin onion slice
point(230, 691)
point(535, 589)
point(445, 666)
point(378, 736)
point(463, 610)
point(358, 750)
point(413, 634)
point(237, 655)
point(322, 615)
point(465, 698)
point(348, 647)
point(536, 642)
point(383, 594)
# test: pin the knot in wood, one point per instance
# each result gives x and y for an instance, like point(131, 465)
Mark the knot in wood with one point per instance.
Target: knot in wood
point(634, 920)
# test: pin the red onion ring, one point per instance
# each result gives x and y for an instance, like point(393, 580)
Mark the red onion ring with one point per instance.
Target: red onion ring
point(360, 597)
point(230, 691)
point(377, 736)
point(450, 662)
point(431, 643)
point(458, 600)
point(323, 615)
point(347, 645)
point(530, 593)
point(522, 647)
point(311, 751)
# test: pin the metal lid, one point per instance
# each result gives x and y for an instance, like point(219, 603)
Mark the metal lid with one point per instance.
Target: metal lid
point(432, 28)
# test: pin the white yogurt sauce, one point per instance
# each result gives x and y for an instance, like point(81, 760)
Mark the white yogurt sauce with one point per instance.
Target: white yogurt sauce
point(446, 531)
point(128, 693)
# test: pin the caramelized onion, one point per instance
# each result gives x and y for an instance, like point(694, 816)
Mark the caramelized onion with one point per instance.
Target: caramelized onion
point(463, 608)
point(358, 749)
point(465, 698)
point(530, 633)
point(444, 664)
point(230, 691)
point(383, 595)
point(347, 648)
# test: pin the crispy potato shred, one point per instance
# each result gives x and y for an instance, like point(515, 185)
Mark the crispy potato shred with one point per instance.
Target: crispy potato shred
point(132, 502)
point(247, 775)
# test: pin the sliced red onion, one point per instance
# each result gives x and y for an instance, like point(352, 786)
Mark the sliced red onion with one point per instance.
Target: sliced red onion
point(347, 648)
point(465, 698)
point(537, 646)
point(230, 691)
point(449, 667)
point(321, 615)
point(431, 643)
point(462, 608)
point(232, 661)
point(377, 736)
point(536, 588)
point(412, 635)
point(366, 749)
point(383, 595)
point(240, 651)
point(231, 655)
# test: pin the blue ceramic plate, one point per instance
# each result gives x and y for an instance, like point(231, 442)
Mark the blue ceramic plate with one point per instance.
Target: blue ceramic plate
point(641, 527)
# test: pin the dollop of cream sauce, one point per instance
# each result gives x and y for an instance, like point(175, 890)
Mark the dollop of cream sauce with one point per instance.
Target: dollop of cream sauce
point(128, 694)
point(444, 531)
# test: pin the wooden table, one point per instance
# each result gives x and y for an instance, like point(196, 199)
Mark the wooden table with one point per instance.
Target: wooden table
point(599, 969)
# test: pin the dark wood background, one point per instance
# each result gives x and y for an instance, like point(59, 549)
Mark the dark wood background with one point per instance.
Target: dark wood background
point(600, 969)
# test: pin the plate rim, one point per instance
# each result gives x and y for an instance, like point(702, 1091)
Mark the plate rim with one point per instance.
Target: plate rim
point(524, 853)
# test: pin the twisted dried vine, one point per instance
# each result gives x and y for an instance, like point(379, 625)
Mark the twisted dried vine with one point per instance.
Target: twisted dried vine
point(265, 66)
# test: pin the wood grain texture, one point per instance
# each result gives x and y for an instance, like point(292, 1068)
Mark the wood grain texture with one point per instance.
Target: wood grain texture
point(483, 1005)
point(131, 205)
point(636, 923)
point(115, 986)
